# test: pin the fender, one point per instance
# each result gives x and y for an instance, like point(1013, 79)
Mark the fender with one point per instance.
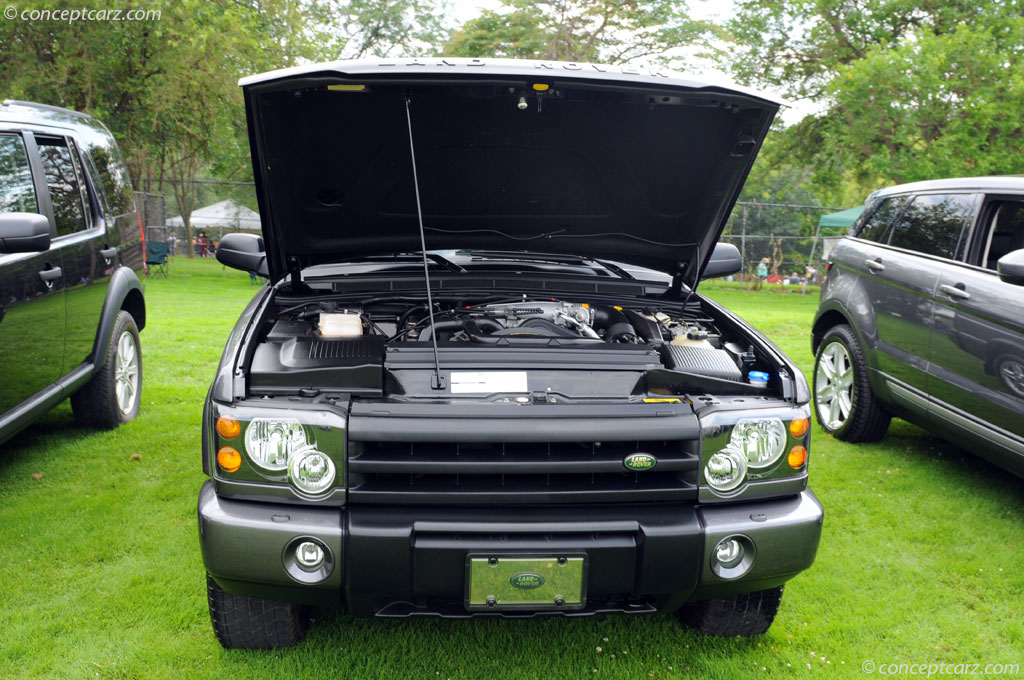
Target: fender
point(123, 292)
point(825, 318)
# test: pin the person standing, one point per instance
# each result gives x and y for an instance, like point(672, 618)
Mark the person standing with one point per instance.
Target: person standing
point(762, 269)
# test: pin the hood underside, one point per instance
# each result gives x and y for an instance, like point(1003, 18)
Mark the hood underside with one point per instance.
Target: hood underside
point(544, 157)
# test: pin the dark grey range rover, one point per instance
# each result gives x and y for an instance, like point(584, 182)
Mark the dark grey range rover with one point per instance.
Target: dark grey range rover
point(922, 317)
point(481, 381)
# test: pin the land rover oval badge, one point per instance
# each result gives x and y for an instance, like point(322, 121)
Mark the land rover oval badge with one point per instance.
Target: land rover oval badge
point(639, 462)
point(526, 580)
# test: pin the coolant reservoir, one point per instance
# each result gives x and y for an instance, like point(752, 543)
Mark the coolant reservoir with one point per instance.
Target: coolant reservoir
point(340, 325)
point(691, 337)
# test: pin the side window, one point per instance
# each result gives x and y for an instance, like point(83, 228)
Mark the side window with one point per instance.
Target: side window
point(933, 224)
point(1005, 233)
point(62, 177)
point(17, 193)
point(876, 226)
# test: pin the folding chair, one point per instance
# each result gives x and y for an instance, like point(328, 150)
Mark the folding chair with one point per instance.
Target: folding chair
point(156, 257)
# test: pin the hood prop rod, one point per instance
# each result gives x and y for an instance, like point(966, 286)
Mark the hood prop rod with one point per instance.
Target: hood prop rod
point(437, 381)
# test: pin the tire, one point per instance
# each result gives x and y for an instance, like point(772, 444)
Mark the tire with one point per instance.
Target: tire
point(1010, 369)
point(241, 622)
point(746, 614)
point(844, 404)
point(113, 395)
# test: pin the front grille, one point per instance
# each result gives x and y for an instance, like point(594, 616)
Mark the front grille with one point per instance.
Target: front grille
point(545, 472)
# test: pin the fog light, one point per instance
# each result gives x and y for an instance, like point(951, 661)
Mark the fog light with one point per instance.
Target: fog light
point(311, 471)
point(728, 552)
point(309, 555)
point(732, 557)
point(726, 469)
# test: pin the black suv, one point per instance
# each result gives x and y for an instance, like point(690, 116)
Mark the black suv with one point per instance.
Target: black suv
point(922, 317)
point(71, 303)
point(480, 381)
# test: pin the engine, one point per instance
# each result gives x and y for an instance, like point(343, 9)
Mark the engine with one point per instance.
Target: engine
point(327, 342)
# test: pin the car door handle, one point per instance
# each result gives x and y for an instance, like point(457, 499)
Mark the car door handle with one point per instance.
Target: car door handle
point(108, 254)
point(875, 265)
point(50, 275)
point(956, 291)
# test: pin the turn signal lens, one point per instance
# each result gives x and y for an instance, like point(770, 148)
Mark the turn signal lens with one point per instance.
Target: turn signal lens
point(229, 459)
point(228, 427)
point(797, 457)
point(798, 428)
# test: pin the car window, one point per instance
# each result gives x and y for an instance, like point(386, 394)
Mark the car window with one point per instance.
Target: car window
point(17, 193)
point(1006, 233)
point(933, 224)
point(876, 226)
point(62, 177)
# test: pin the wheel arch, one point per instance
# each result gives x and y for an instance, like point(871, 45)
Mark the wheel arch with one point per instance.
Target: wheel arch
point(124, 293)
point(827, 319)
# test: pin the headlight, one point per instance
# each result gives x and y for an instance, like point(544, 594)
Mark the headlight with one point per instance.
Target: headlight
point(311, 471)
point(762, 440)
point(271, 441)
point(726, 469)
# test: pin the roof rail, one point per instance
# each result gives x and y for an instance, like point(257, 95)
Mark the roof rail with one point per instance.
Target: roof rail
point(47, 107)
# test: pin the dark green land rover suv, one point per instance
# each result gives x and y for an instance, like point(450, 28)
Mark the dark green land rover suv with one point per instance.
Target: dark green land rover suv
point(480, 381)
point(71, 303)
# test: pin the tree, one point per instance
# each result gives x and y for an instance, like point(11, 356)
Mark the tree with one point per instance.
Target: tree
point(385, 28)
point(166, 87)
point(912, 89)
point(610, 31)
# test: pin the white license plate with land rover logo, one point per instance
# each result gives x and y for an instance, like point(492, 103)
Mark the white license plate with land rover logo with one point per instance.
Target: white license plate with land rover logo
point(495, 582)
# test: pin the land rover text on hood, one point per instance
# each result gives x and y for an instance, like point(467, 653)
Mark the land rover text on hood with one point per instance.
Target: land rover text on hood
point(480, 380)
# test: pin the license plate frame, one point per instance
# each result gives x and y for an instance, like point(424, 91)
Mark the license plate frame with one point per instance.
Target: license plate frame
point(503, 582)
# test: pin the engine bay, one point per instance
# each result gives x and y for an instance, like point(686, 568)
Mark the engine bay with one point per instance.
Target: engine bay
point(376, 346)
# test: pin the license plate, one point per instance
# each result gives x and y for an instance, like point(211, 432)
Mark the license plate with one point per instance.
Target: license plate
point(526, 581)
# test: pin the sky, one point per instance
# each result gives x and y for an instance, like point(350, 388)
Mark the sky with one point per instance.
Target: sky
point(719, 10)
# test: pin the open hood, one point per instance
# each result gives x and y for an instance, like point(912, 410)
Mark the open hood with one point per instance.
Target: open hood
point(618, 163)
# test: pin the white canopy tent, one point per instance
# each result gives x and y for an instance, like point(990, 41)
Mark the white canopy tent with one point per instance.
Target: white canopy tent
point(226, 215)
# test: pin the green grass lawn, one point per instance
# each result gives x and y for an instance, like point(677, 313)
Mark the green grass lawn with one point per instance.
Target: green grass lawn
point(920, 561)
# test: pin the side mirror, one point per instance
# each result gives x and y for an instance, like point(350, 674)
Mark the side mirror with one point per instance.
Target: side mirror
point(24, 232)
point(245, 252)
point(1011, 267)
point(725, 260)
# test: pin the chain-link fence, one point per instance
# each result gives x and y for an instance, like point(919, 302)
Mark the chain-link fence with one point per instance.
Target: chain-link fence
point(780, 242)
point(784, 237)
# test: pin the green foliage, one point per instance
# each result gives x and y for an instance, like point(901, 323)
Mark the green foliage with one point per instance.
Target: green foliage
point(384, 28)
point(609, 31)
point(913, 89)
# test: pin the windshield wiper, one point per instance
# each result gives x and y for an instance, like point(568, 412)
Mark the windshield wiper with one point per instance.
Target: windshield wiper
point(549, 258)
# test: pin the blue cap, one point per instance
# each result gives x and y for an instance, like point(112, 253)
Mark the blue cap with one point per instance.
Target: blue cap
point(757, 376)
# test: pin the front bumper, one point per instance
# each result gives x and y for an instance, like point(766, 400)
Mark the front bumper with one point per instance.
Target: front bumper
point(403, 561)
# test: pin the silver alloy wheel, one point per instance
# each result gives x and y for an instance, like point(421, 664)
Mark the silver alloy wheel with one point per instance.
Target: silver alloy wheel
point(833, 385)
point(1012, 373)
point(126, 373)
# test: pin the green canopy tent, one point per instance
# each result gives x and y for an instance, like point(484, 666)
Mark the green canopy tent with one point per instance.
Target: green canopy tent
point(843, 218)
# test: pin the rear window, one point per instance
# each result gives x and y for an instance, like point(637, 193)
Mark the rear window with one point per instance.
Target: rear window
point(63, 179)
point(876, 226)
point(933, 224)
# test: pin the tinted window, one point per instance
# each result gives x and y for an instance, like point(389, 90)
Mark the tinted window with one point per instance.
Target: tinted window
point(933, 224)
point(875, 227)
point(66, 192)
point(1006, 233)
point(17, 194)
